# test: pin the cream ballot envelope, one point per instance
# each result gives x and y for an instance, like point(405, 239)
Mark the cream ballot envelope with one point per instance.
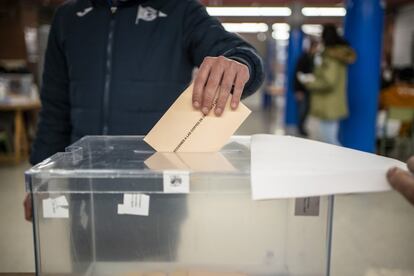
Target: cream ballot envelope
point(184, 129)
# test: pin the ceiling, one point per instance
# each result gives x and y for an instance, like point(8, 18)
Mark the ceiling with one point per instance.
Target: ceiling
point(267, 3)
point(391, 4)
point(391, 7)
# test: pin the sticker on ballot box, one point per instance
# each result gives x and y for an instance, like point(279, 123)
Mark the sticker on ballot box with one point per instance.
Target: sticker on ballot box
point(134, 204)
point(55, 207)
point(176, 182)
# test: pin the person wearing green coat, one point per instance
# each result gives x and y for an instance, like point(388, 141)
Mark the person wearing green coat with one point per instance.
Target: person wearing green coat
point(328, 84)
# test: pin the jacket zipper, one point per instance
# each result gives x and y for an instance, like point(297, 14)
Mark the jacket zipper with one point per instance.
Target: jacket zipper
point(108, 71)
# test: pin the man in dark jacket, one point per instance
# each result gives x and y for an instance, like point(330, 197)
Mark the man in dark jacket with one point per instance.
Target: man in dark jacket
point(114, 67)
point(304, 66)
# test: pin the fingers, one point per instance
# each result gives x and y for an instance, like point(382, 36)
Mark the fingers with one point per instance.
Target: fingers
point(225, 89)
point(219, 75)
point(241, 79)
point(212, 85)
point(200, 81)
point(27, 204)
point(403, 182)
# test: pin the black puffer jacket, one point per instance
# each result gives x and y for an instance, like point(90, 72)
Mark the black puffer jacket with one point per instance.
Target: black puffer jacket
point(116, 71)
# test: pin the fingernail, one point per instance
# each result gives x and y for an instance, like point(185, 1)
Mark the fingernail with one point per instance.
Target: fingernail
point(196, 104)
point(391, 172)
point(218, 111)
point(233, 105)
point(205, 110)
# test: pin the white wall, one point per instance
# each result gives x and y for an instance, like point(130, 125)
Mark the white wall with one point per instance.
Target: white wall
point(403, 37)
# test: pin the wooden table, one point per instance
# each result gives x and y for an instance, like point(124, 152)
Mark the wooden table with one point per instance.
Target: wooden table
point(399, 95)
point(20, 138)
point(398, 103)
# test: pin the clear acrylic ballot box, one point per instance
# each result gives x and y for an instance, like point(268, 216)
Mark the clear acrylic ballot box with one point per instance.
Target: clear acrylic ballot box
point(111, 205)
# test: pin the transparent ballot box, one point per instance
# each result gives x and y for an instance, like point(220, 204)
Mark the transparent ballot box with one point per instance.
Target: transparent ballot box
point(111, 205)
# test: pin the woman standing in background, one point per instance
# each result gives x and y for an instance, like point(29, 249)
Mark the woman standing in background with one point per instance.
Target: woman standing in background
point(328, 86)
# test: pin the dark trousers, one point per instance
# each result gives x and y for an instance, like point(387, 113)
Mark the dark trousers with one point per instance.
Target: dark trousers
point(303, 107)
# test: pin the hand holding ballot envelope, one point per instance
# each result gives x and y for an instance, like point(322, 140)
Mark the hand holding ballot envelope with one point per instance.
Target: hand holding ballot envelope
point(216, 79)
point(183, 128)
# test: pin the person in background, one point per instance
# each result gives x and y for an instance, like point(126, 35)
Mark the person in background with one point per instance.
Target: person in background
point(403, 181)
point(328, 85)
point(304, 66)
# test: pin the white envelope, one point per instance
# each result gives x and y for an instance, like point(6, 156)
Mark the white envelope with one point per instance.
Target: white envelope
point(290, 167)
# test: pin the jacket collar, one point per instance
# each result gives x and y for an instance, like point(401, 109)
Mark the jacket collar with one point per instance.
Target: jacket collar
point(119, 3)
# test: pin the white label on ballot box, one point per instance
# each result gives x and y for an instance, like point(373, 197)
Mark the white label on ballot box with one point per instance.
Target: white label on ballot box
point(134, 204)
point(176, 182)
point(55, 207)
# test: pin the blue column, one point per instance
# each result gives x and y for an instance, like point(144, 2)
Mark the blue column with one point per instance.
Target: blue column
point(294, 52)
point(363, 30)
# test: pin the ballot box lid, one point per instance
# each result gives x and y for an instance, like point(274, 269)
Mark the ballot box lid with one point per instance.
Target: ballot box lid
point(121, 163)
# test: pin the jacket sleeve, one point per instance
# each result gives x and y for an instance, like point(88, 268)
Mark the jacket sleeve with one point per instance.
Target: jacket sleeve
point(325, 77)
point(205, 36)
point(53, 131)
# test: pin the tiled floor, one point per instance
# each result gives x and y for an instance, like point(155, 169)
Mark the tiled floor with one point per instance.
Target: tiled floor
point(373, 234)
